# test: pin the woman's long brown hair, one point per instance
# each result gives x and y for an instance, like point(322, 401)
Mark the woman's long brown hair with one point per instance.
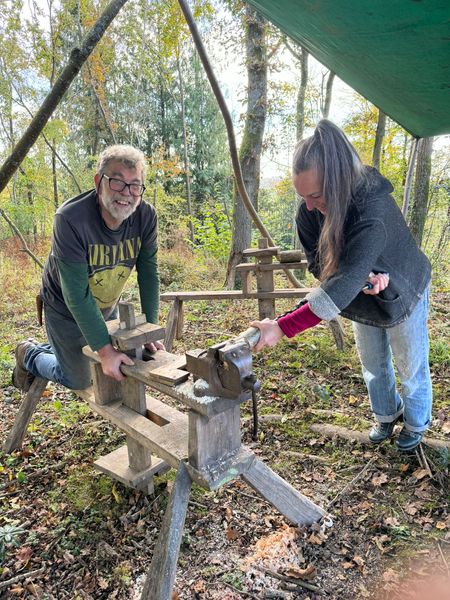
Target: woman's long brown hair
point(340, 169)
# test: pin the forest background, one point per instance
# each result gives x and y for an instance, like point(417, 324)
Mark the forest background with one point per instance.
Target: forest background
point(145, 85)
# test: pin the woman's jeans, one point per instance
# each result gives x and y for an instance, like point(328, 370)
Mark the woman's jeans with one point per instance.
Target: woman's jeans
point(408, 343)
point(62, 359)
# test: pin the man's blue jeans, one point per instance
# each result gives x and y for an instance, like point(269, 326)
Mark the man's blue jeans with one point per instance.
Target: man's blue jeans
point(408, 343)
point(61, 360)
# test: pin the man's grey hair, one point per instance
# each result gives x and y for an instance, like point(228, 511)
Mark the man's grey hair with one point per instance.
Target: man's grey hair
point(130, 157)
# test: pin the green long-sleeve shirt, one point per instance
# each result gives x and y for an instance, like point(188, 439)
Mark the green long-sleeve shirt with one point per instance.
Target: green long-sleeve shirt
point(83, 307)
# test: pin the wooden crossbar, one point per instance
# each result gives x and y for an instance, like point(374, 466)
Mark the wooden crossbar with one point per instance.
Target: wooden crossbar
point(271, 266)
point(234, 295)
point(170, 441)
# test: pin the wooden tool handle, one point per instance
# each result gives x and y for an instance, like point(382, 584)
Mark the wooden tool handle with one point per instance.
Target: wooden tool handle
point(252, 335)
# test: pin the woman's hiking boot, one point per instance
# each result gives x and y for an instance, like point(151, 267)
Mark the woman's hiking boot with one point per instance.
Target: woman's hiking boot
point(408, 440)
point(383, 431)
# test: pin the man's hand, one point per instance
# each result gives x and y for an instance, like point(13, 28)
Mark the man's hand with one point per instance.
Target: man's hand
point(111, 359)
point(380, 281)
point(271, 333)
point(154, 346)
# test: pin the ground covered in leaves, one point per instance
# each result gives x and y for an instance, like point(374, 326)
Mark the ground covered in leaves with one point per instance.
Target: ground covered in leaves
point(67, 532)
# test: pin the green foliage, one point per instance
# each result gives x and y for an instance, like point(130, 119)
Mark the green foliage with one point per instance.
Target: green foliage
point(234, 578)
point(213, 233)
point(361, 128)
point(173, 270)
point(439, 353)
point(277, 208)
point(81, 491)
point(69, 412)
point(122, 575)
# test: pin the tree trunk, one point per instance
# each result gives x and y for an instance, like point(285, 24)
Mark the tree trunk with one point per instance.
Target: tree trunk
point(409, 177)
point(419, 207)
point(301, 95)
point(251, 145)
point(77, 58)
point(230, 130)
point(185, 152)
point(378, 145)
point(54, 178)
point(328, 94)
point(300, 54)
point(104, 109)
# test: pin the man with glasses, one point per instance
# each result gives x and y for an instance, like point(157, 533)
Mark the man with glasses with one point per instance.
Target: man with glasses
point(98, 237)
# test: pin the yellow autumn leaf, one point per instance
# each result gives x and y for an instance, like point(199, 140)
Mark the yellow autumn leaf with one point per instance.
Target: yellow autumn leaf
point(116, 494)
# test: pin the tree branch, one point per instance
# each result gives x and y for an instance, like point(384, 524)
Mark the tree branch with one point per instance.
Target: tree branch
point(52, 148)
point(22, 239)
point(294, 53)
point(409, 178)
point(77, 58)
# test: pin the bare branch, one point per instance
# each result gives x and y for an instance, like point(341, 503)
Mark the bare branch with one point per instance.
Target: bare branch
point(49, 144)
point(77, 58)
point(22, 239)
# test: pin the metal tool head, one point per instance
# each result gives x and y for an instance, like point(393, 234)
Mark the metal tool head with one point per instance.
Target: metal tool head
point(227, 368)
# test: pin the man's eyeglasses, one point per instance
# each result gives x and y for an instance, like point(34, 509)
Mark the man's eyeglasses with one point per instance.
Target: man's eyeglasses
point(117, 185)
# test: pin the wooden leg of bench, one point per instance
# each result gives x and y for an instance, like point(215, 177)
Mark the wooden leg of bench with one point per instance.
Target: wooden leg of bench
point(180, 321)
point(159, 582)
point(246, 282)
point(293, 505)
point(23, 417)
point(171, 327)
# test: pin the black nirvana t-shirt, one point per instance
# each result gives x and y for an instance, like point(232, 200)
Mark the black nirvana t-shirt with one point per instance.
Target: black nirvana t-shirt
point(81, 236)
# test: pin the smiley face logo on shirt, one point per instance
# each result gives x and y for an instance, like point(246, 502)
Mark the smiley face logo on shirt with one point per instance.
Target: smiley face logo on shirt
point(107, 285)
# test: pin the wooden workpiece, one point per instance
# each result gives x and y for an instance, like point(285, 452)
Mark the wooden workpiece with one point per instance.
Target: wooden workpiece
point(264, 281)
point(234, 295)
point(262, 251)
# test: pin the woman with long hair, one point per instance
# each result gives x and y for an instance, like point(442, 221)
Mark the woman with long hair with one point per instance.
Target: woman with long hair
point(371, 271)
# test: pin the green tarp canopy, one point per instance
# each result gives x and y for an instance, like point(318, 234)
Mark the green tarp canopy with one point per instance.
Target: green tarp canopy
point(396, 53)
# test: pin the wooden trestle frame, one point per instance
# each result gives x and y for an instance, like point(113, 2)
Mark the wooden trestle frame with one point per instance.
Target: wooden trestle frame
point(203, 445)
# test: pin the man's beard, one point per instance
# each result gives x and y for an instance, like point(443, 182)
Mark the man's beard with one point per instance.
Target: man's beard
point(120, 211)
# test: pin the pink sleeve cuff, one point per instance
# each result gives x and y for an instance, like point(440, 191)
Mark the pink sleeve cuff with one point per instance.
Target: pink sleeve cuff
point(298, 320)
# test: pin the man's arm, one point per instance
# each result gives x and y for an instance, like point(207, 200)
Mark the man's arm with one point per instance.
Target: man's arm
point(79, 300)
point(148, 281)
